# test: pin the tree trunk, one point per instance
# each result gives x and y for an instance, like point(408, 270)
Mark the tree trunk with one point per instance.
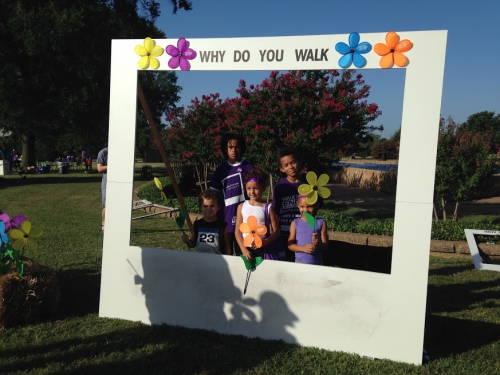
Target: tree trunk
point(199, 176)
point(435, 211)
point(443, 207)
point(455, 213)
point(28, 150)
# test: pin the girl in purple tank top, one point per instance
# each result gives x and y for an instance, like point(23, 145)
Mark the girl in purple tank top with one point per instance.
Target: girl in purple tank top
point(308, 243)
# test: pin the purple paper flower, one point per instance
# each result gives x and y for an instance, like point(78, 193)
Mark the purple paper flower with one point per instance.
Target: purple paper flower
point(180, 55)
point(15, 222)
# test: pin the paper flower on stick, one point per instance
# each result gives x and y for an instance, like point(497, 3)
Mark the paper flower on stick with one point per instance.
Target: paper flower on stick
point(352, 52)
point(159, 185)
point(392, 52)
point(315, 187)
point(181, 217)
point(15, 222)
point(149, 53)
point(180, 55)
point(3, 236)
point(23, 238)
point(254, 231)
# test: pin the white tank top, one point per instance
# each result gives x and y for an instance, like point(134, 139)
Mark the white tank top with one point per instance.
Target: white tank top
point(257, 211)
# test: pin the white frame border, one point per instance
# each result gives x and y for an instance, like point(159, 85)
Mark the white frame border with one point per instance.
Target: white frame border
point(474, 249)
point(376, 315)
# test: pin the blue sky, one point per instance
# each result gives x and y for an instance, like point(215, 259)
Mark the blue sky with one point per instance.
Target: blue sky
point(472, 71)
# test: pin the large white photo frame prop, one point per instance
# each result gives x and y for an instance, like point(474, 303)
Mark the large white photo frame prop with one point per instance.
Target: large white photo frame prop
point(376, 315)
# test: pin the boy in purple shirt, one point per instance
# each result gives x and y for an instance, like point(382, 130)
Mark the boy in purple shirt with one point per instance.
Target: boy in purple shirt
point(285, 194)
point(228, 179)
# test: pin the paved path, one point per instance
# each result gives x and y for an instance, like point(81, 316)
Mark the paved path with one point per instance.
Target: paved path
point(355, 196)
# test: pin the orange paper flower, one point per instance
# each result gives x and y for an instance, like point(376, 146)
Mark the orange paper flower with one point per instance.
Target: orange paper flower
point(254, 231)
point(392, 52)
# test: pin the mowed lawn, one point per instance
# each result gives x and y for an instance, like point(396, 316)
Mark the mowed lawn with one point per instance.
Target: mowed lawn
point(462, 333)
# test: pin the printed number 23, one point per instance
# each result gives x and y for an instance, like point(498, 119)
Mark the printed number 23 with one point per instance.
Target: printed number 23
point(207, 237)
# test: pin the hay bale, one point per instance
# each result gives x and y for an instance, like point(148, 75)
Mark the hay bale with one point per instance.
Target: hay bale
point(28, 298)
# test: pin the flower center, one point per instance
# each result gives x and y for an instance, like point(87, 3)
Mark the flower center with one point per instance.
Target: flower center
point(353, 50)
point(315, 187)
point(253, 232)
point(392, 50)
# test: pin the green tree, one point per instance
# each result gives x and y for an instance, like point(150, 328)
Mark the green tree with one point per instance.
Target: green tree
point(485, 121)
point(162, 94)
point(194, 133)
point(386, 149)
point(54, 79)
point(463, 166)
point(323, 114)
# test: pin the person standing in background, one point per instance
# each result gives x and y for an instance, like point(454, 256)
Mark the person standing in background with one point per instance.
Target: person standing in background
point(102, 167)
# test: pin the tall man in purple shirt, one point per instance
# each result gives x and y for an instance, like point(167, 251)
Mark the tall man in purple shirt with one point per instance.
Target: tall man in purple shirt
point(228, 179)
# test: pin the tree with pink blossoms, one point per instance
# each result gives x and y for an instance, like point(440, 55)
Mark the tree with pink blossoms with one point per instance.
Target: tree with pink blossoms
point(194, 133)
point(463, 165)
point(324, 114)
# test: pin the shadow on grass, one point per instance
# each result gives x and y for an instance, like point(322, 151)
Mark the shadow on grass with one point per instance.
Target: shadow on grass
point(463, 297)
point(46, 179)
point(158, 349)
point(364, 212)
point(450, 270)
point(448, 337)
point(358, 257)
point(80, 290)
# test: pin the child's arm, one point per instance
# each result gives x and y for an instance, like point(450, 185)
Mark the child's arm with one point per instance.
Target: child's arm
point(323, 244)
point(227, 247)
point(190, 242)
point(292, 242)
point(238, 235)
point(276, 228)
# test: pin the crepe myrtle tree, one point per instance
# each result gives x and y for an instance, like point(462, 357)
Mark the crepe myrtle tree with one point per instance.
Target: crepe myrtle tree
point(324, 114)
point(463, 165)
point(193, 134)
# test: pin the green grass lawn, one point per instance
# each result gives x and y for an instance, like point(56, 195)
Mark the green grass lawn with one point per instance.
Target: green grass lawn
point(462, 331)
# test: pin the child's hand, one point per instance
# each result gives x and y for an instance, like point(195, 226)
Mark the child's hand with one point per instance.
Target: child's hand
point(309, 249)
point(247, 254)
point(315, 239)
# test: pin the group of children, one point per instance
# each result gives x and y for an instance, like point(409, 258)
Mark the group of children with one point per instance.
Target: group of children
point(235, 194)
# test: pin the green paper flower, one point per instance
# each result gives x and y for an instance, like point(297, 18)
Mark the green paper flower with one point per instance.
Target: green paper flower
point(314, 187)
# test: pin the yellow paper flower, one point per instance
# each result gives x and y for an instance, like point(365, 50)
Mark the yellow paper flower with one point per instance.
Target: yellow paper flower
point(315, 187)
point(149, 53)
point(254, 231)
point(160, 186)
point(23, 237)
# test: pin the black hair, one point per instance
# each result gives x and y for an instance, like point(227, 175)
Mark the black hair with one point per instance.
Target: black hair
point(209, 194)
point(228, 137)
point(288, 150)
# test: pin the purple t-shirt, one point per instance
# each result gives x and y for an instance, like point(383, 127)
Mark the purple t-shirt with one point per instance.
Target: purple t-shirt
point(228, 179)
point(303, 236)
point(285, 196)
